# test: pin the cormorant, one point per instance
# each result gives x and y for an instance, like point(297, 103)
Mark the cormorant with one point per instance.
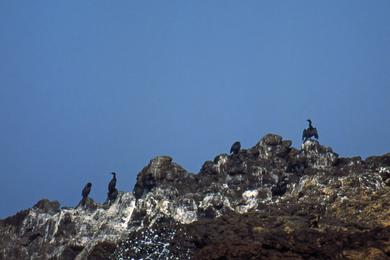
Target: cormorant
point(85, 193)
point(112, 184)
point(309, 132)
point(86, 190)
point(112, 191)
point(112, 195)
point(235, 148)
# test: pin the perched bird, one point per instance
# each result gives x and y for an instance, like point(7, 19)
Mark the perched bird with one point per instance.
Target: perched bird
point(85, 193)
point(111, 196)
point(112, 184)
point(309, 132)
point(235, 148)
point(112, 191)
point(86, 190)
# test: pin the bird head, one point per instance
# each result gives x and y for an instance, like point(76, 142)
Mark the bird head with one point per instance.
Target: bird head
point(308, 120)
point(113, 173)
point(89, 184)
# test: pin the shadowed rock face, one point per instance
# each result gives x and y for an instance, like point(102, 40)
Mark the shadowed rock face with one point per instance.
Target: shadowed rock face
point(162, 172)
point(269, 201)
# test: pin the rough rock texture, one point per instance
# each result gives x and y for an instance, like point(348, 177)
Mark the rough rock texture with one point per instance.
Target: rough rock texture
point(271, 201)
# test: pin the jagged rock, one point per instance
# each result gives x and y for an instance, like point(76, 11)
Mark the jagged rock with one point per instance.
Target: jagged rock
point(269, 201)
point(88, 204)
point(258, 236)
point(67, 233)
point(161, 171)
point(318, 156)
point(273, 146)
point(281, 187)
point(379, 161)
point(47, 206)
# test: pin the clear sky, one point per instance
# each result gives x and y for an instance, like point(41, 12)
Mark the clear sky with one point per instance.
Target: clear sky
point(90, 87)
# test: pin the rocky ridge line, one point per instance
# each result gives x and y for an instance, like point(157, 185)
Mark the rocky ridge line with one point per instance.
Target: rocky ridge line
point(271, 201)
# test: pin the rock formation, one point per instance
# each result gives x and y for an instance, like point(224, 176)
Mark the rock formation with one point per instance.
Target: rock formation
point(270, 201)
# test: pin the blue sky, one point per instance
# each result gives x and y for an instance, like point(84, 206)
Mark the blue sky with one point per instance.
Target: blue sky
point(90, 87)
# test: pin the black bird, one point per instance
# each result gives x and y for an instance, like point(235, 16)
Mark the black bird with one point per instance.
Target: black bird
point(86, 190)
point(85, 193)
point(235, 148)
point(309, 132)
point(112, 184)
point(112, 196)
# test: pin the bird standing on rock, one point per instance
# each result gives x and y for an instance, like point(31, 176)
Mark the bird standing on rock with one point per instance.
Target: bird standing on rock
point(309, 132)
point(112, 191)
point(235, 148)
point(112, 184)
point(85, 193)
point(86, 190)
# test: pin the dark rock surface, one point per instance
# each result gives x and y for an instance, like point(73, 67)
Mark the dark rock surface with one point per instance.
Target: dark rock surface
point(271, 201)
point(161, 171)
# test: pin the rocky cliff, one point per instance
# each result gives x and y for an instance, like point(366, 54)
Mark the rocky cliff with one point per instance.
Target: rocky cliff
point(271, 201)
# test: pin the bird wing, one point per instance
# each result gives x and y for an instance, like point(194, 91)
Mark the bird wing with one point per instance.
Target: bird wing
point(316, 133)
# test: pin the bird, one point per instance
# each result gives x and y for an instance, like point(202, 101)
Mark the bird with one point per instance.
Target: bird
point(235, 148)
point(111, 196)
point(112, 184)
point(85, 193)
point(86, 190)
point(112, 191)
point(309, 132)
